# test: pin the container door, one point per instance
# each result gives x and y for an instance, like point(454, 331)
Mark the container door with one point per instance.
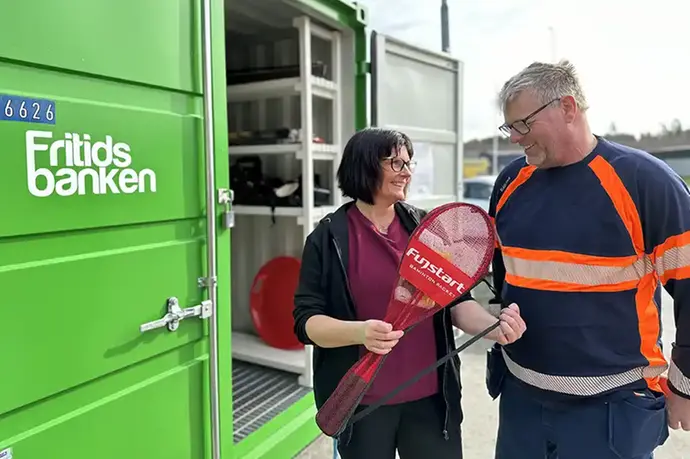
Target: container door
point(103, 232)
point(419, 92)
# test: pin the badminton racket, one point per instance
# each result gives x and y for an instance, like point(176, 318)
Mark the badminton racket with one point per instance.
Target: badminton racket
point(447, 254)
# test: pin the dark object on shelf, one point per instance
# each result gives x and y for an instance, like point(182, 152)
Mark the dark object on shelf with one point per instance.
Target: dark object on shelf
point(280, 136)
point(256, 74)
point(322, 196)
point(252, 188)
point(264, 137)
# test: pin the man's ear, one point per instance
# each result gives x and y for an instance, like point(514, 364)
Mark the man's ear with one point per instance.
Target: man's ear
point(569, 107)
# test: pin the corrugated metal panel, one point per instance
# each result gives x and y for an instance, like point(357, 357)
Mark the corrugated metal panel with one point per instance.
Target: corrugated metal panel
point(259, 395)
point(419, 92)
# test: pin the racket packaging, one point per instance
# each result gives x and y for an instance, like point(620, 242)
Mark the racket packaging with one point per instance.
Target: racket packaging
point(446, 256)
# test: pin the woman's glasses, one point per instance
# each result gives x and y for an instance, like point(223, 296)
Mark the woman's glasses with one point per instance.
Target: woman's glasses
point(397, 164)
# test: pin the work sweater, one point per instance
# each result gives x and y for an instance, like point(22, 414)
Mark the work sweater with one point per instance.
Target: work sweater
point(584, 250)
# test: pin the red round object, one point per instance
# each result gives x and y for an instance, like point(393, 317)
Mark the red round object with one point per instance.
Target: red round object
point(271, 301)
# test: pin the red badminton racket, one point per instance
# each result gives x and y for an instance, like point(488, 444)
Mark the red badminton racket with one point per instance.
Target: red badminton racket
point(448, 253)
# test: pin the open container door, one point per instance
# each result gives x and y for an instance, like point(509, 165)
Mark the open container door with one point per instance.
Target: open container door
point(419, 92)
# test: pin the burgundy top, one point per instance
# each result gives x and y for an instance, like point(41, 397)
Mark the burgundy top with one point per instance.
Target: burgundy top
point(373, 271)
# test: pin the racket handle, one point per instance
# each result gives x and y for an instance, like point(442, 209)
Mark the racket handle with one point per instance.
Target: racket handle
point(424, 372)
point(334, 414)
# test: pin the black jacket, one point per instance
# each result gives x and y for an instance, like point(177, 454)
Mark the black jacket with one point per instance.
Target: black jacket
point(323, 289)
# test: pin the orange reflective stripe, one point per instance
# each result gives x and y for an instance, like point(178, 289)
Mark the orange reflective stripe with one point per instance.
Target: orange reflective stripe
point(568, 257)
point(672, 242)
point(672, 258)
point(648, 324)
point(556, 286)
point(524, 174)
point(647, 311)
point(621, 199)
point(677, 274)
point(562, 271)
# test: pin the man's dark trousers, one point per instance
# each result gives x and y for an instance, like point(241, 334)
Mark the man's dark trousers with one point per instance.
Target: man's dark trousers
point(624, 425)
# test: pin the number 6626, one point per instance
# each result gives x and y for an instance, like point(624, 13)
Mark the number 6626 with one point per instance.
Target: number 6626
point(29, 110)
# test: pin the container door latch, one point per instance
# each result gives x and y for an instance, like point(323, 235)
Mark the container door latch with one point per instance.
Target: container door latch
point(176, 314)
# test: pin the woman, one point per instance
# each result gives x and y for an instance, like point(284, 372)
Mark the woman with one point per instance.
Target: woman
point(349, 267)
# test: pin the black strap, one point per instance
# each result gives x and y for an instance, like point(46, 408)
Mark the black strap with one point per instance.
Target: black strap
point(491, 287)
point(423, 373)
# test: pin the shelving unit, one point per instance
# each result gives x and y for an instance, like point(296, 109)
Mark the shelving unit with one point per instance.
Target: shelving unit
point(319, 151)
point(269, 105)
point(320, 87)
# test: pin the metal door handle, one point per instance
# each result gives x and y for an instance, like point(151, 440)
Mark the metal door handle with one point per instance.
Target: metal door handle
point(176, 314)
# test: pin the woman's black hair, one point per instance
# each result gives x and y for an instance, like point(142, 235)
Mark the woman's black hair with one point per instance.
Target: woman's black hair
point(359, 173)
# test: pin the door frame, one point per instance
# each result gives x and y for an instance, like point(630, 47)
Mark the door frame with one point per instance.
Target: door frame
point(211, 51)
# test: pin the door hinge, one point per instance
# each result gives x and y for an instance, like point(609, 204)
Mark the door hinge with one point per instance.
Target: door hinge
point(363, 68)
point(176, 315)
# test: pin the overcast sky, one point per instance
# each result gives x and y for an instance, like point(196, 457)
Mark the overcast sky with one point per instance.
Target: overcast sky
point(633, 57)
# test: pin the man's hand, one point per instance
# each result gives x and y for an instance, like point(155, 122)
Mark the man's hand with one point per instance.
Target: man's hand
point(678, 408)
point(378, 336)
point(512, 326)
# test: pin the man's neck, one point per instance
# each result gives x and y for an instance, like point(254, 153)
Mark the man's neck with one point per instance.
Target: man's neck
point(580, 147)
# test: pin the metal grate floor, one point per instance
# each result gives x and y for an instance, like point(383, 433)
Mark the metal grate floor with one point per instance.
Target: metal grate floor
point(259, 394)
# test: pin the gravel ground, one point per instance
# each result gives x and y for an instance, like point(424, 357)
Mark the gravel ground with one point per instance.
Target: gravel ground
point(479, 426)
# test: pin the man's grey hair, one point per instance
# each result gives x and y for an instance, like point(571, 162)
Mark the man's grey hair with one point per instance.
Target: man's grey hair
point(547, 81)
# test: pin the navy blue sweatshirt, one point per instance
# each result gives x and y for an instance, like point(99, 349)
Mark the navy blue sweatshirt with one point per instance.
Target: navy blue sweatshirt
point(584, 251)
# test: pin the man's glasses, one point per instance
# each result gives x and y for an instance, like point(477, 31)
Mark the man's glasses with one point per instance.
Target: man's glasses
point(522, 126)
point(398, 164)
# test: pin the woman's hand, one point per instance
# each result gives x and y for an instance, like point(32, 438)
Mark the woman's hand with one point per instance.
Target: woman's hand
point(512, 326)
point(378, 336)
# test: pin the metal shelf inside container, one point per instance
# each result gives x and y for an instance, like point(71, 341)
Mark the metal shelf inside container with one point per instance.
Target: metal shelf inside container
point(250, 348)
point(320, 151)
point(320, 87)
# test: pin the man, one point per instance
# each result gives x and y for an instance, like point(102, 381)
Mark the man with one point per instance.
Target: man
point(589, 231)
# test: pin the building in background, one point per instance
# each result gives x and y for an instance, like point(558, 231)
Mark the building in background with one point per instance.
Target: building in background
point(672, 145)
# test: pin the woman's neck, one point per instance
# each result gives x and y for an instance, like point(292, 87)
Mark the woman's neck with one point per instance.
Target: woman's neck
point(380, 215)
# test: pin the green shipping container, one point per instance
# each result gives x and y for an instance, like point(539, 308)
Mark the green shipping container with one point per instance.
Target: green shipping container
point(124, 302)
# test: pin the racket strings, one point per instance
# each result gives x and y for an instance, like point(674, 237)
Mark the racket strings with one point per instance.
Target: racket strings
point(460, 235)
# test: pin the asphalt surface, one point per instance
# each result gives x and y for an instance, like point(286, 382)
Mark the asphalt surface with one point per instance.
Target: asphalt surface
point(479, 426)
